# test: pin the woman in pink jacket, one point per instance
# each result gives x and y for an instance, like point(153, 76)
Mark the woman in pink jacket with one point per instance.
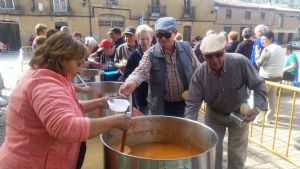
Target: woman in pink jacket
point(46, 123)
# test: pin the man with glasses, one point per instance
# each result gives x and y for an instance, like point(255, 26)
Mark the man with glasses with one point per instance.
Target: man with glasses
point(222, 82)
point(168, 67)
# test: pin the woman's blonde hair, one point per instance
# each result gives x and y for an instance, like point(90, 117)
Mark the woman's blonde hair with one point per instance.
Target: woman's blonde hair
point(39, 40)
point(142, 29)
point(233, 35)
point(59, 47)
point(40, 28)
point(178, 37)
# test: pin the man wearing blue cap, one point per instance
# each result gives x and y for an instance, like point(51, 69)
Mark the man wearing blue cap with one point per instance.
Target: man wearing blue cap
point(168, 66)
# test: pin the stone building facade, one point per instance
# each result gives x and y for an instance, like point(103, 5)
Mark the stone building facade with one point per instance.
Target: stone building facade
point(94, 17)
point(232, 15)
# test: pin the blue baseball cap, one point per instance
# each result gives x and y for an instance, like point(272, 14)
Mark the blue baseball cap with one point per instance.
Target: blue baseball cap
point(165, 23)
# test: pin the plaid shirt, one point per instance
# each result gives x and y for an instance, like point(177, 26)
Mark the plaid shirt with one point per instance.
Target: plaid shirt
point(174, 85)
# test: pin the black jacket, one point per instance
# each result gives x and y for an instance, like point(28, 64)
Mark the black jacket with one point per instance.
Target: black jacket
point(230, 48)
point(245, 48)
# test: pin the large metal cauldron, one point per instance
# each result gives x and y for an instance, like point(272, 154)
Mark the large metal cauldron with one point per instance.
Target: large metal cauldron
point(89, 75)
point(161, 129)
point(101, 89)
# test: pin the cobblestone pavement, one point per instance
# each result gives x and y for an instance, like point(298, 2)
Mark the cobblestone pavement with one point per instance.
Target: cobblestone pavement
point(258, 158)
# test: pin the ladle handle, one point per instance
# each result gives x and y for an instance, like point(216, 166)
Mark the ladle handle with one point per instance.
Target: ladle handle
point(123, 141)
point(80, 78)
point(128, 114)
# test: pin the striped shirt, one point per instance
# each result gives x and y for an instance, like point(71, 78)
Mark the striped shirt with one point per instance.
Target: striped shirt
point(174, 85)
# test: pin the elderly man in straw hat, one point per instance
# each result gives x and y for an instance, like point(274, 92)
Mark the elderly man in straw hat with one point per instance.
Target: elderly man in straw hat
point(168, 66)
point(222, 82)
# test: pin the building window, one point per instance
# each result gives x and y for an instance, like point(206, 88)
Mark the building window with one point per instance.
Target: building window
point(280, 21)
point(280, 38)
point(228, 13)
point(187, 32)
point(112, 2)
point(227, 29)
point(7, 4)
point(290, 36)
point(155, 7)
point(60, 5)
point(58, 25)
point(247, 15)
point(111, 21)
point(187, 7)
point(262, 16)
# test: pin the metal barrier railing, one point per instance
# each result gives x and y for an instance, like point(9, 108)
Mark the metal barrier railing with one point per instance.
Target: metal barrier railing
point(263, 136)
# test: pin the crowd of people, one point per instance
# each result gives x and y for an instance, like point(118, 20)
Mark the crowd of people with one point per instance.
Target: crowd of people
point(157, 68)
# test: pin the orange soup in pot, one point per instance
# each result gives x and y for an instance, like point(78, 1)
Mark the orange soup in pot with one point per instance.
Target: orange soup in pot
point(160, 150)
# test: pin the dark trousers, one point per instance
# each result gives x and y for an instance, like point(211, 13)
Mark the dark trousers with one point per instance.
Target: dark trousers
point(140, 97)
point(81, 155)
point(174, 108)
point(288, 76)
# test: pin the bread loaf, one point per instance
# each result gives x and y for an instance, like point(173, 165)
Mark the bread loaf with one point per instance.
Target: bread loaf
point(184, 94)
point(245, 109)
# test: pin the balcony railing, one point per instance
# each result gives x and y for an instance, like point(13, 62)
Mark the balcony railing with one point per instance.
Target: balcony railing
point(189, 13)
point(9, 11)
point(156, 11)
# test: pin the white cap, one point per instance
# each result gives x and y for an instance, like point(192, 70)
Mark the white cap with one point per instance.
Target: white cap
point(213, 43)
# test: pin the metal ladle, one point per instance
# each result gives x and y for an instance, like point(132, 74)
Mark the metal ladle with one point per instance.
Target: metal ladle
point(124, 136)
point(80, 78)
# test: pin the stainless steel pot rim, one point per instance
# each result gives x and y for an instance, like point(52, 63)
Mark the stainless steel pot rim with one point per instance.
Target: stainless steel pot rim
point(109, 82)
point(162, 116)
point(100, 83)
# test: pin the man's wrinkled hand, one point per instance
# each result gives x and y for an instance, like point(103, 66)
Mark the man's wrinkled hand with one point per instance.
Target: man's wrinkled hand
point(127, 88)
point(250, 116)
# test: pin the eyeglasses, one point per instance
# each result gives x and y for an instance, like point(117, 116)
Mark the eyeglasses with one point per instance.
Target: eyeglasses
point(210, 56)
point(167, 35)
